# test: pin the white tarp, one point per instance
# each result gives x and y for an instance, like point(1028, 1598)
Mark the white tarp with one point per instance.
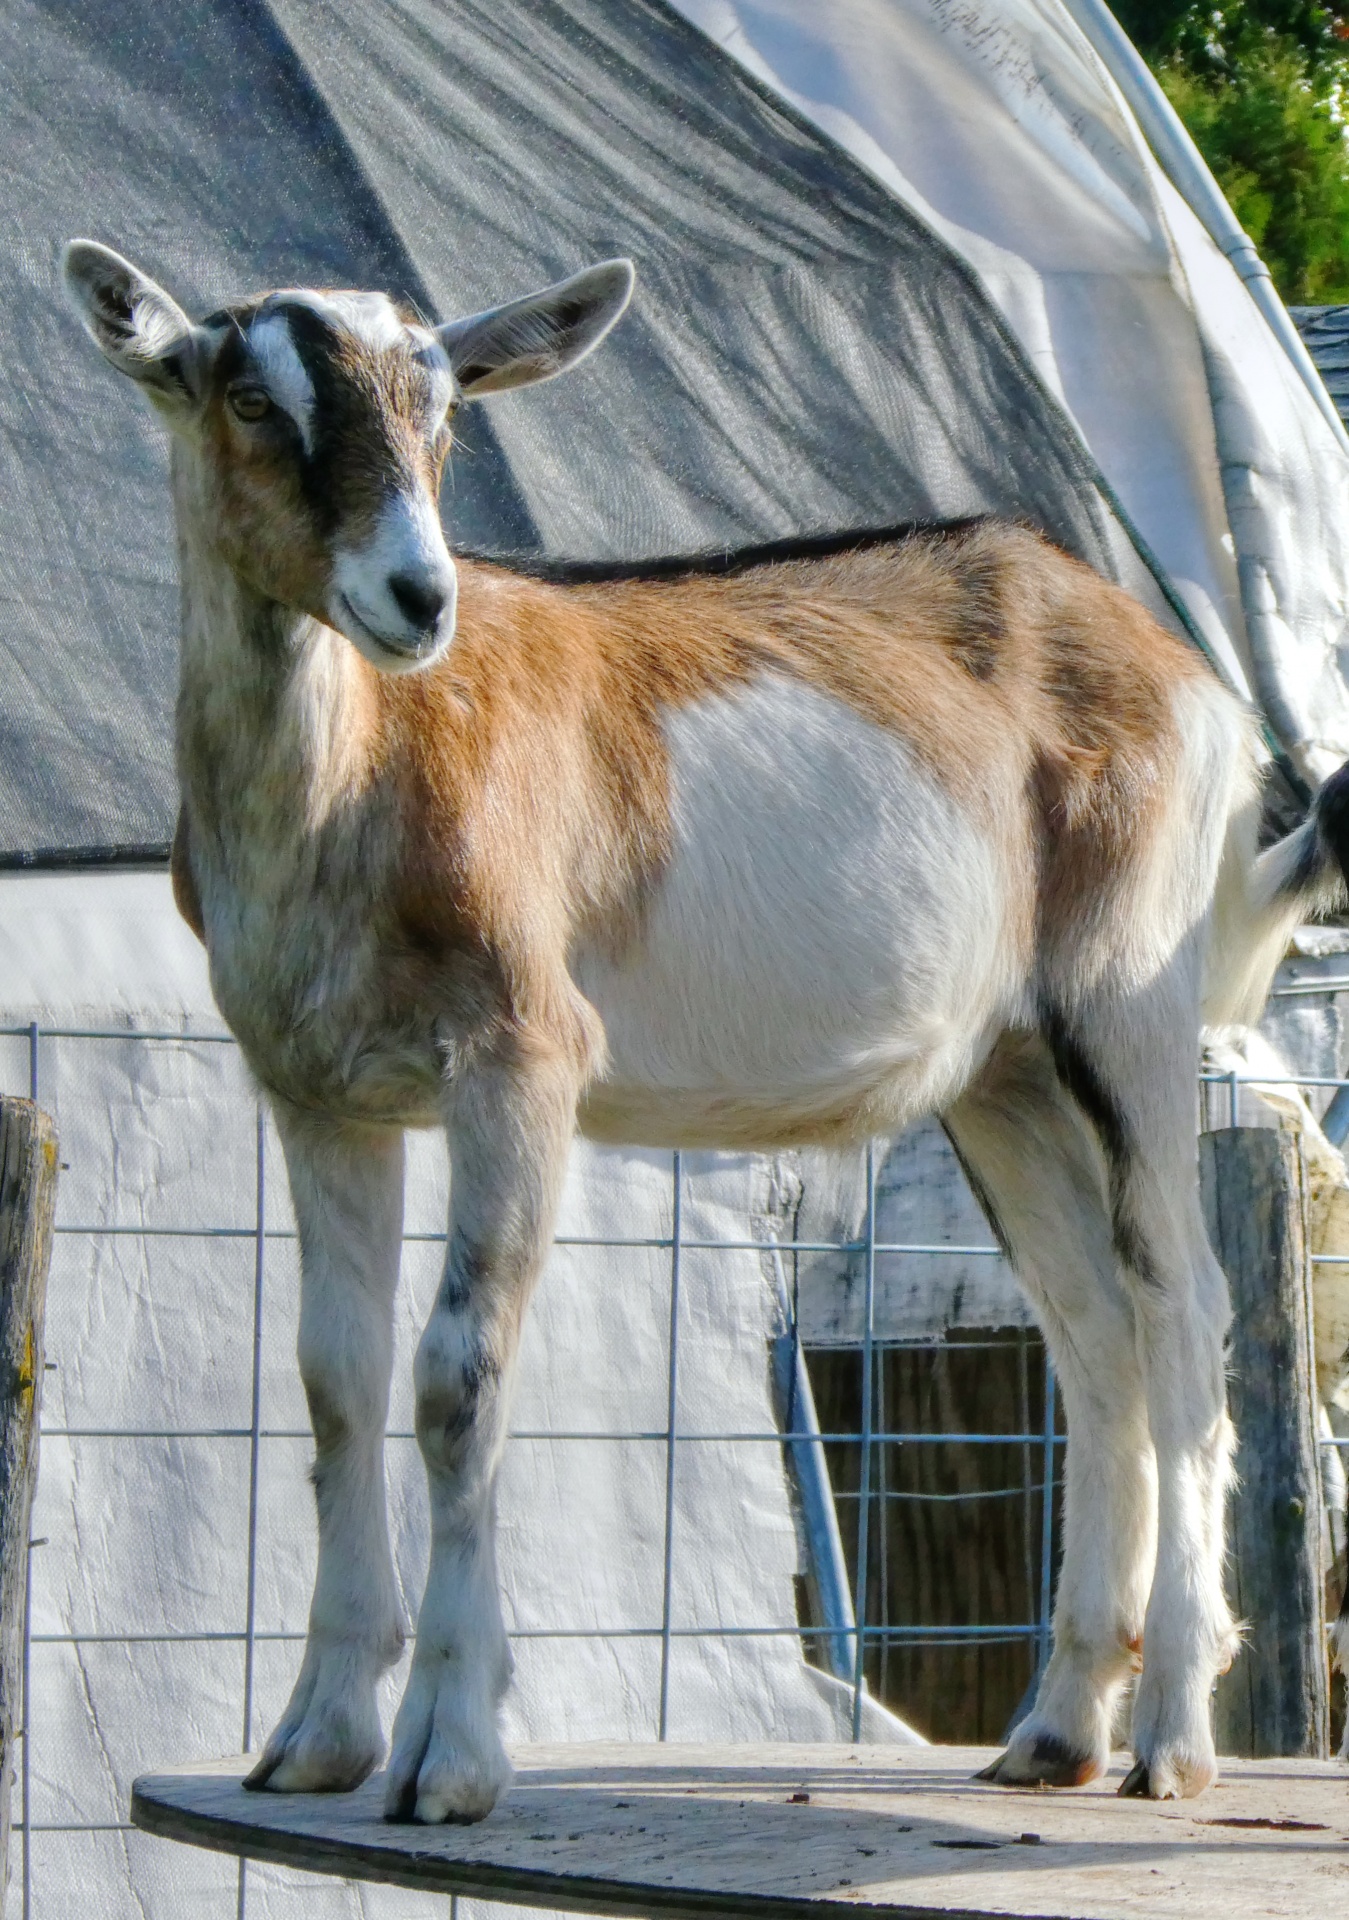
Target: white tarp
point(999, 125)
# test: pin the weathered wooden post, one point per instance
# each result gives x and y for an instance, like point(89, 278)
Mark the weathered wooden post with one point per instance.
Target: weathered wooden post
point(27, 1202)
point(1275, 1700)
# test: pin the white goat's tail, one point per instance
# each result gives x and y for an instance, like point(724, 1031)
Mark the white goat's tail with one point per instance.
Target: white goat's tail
point(1261, 899)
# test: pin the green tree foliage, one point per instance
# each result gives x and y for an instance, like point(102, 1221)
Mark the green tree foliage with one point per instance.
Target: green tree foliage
point(1262, 86)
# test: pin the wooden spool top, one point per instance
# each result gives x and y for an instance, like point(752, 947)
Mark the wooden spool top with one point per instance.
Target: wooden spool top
point(723, 1833)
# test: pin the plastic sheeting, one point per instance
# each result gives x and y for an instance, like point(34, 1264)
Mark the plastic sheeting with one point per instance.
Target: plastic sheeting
point(1000, 126)
point(146, 1540)
point(809, 351)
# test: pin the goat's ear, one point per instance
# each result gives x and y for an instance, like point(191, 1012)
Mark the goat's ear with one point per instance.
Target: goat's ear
point(540, 336)
point(134, 323)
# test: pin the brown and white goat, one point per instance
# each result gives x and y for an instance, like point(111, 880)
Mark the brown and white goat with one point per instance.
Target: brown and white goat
point(797, 852)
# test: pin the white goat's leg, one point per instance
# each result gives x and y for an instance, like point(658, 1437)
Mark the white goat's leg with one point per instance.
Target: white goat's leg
point(510, 1128)
point(347, 1186)
point(1189, 1636)
point(1131, 1065)
point(1036, 1169)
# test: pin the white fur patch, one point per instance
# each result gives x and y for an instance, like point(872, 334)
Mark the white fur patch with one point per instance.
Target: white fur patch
point(285, 373)
point(829, 934)
point(372, 317)
point(158, 325)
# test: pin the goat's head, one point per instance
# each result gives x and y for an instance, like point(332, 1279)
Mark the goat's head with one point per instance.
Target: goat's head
point(322, 422)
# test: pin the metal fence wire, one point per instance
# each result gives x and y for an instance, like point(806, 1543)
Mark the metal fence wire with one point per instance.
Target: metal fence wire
point(860, 1627)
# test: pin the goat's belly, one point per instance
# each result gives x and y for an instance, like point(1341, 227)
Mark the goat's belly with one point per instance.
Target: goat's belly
point(831, 950)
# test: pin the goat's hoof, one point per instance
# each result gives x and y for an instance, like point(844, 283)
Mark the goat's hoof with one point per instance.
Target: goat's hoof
point(448, 1763)
point(1168, 1779)
point(1172, 1738)
point(1046, 1762)
point(312, 1770)
point(255, 1780)
point(329, 1739)
point(444, 1791)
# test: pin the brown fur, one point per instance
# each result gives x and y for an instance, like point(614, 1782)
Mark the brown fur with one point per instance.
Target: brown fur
point(534, 773)
point(521, 784)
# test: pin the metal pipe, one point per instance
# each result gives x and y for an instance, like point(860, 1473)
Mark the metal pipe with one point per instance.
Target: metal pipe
point(255, 1424)
point(770, 1437)
point(26, 1685)
point(1045, 1633)
point(864, 1467)
point(672, 1409)
point(1007, 1631)
point(826, 1563)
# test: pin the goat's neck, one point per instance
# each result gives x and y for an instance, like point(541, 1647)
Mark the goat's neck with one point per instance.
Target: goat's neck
point(272, 705)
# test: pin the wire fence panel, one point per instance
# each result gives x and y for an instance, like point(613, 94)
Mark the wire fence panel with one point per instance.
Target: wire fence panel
point(175, 1437)
point(956, 1592)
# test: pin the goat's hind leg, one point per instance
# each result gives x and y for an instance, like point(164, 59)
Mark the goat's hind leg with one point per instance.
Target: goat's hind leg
point(1037, 1171)
point(1133, 1058)
point(347, 1186)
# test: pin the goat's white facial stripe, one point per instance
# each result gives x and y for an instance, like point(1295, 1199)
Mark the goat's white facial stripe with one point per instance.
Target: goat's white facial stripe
point(372, 317)
point(285, 373)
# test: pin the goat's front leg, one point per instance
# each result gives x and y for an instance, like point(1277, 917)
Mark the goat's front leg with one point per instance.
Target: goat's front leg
point(347, 1186)
point(510, 1127)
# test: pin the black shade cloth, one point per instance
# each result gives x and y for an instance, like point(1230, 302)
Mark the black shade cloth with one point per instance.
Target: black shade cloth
point(802, 357)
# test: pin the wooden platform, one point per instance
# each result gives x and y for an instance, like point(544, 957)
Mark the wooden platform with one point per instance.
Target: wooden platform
point(729, 1832)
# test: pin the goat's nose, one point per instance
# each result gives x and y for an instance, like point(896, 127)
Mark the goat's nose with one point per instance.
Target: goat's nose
point(420, 601)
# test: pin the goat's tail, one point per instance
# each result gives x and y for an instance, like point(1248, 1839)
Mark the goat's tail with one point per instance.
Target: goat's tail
point(1261, 898)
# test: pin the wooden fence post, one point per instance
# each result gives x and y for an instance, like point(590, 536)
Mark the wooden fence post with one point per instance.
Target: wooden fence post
point(27, 1202)
point(1275, 1699)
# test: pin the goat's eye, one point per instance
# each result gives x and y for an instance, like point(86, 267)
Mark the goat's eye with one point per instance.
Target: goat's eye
point(249, 403)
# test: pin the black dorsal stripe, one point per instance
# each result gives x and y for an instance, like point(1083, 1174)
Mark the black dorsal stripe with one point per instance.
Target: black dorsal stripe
point(724, 560)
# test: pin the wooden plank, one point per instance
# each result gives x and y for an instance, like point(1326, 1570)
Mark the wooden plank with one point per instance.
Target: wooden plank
point(1276, 1698)
point(724, 1833)
point(27, 1202)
